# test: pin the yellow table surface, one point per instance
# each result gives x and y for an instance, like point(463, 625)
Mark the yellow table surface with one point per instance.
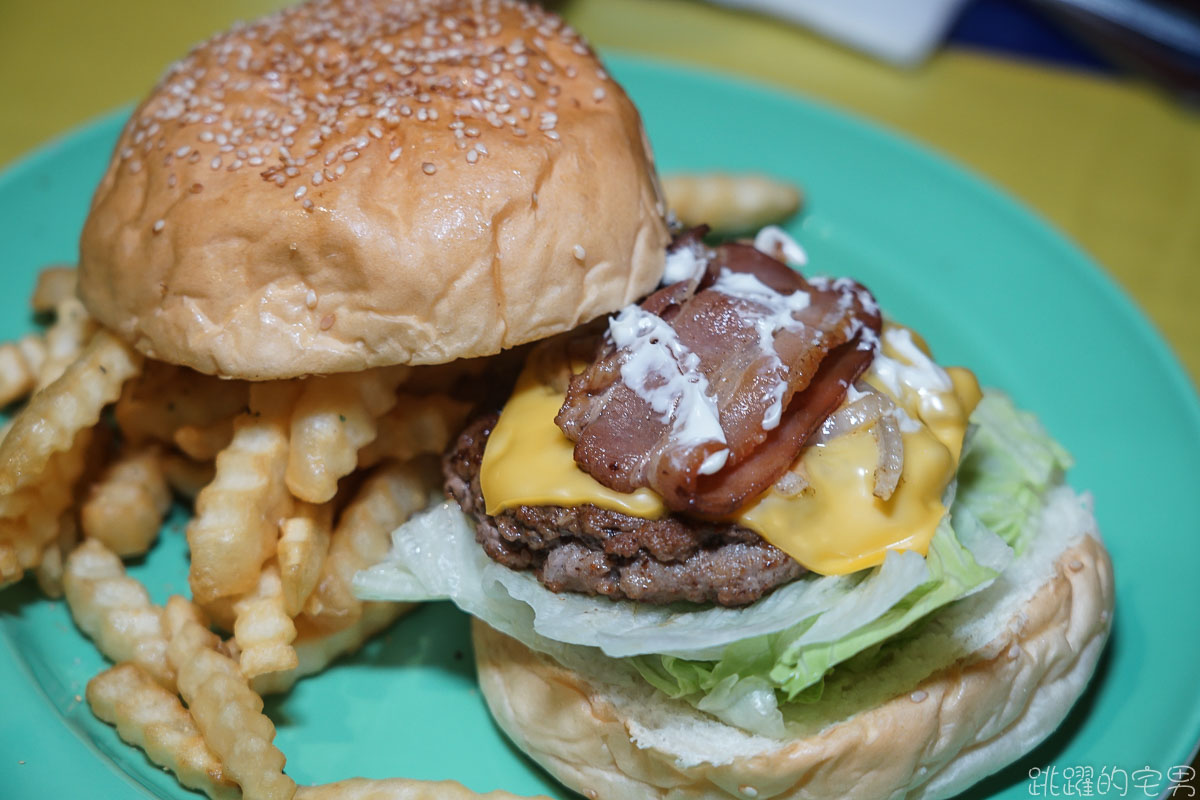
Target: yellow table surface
point(1112, 162)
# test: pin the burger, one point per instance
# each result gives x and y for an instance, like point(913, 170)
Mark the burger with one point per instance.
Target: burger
point(728, 530)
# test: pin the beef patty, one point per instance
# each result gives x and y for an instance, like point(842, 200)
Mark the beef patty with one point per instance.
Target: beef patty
point(593, 550)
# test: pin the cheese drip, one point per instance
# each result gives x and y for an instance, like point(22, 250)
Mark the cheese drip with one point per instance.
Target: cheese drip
point(834, 527)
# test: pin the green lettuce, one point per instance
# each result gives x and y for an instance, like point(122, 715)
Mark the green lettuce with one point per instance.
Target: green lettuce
point(1009, 462)
point(794, 662)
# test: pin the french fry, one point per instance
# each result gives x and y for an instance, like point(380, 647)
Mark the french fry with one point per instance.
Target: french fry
point(10, 565)
point(150, 717)
point(263, 629)
point(166, 398)
point(115, 611)
point(225, 708)
point(204, 442)
point(186, 626)
point(396, 789)
point(387, 498)
point(20, 363)
point(417, 425)
point(65, 340)
point(54, 285)
point(125, 508)
point(333, 418)
point(730, 203)
point(316, 649)
point(236, 525)
point(31, 517)
point(186, 477)
point(49, 572)
point(303, 545)
point(54, 416)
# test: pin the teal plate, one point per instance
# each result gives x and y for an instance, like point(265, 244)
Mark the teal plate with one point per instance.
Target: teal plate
point(986, 282)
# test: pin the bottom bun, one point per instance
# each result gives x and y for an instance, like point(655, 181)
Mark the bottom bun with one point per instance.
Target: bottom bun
point(984, 681)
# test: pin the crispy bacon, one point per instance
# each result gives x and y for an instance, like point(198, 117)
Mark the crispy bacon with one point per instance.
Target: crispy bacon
point(740, 346)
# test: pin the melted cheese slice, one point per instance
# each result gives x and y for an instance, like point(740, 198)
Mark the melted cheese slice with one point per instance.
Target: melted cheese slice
point(834, 526)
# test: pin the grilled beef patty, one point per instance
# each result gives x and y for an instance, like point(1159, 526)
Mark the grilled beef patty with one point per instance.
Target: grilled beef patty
point(593, 550)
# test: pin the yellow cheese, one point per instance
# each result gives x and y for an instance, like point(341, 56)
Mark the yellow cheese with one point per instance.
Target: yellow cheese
point(529, 462)
point(833, 527)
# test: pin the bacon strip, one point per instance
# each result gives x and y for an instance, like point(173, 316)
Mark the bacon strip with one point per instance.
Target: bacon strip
point(739, 345)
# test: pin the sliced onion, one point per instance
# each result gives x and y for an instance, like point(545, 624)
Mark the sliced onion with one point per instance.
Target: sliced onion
point(791, 483)
point(864, 411)
point(891, 455)
point(875, 411)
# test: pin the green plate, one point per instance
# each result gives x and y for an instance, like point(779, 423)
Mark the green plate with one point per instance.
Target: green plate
point(987, 283)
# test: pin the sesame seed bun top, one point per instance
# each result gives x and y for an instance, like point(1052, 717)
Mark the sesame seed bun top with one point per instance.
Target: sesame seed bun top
point(357, 183)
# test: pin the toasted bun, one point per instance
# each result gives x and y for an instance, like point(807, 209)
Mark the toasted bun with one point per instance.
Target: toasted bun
point(984, 682)
point(359, 183)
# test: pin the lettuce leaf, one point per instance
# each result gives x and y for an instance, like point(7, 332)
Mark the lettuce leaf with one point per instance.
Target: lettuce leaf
point(1008, 464)
point(794, 661)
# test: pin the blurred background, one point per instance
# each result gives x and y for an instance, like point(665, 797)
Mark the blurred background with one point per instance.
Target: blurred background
point(1086, 110)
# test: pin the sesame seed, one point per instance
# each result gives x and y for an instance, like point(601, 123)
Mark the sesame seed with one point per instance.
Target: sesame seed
point(310, 299)
point(327, 322)
point(159, 225)
point(579, 252)
point(249, 90)
point(303, 190)
point(428, 168)
point(918, 696)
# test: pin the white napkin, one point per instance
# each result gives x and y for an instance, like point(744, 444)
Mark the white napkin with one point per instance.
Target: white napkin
point(900, 31)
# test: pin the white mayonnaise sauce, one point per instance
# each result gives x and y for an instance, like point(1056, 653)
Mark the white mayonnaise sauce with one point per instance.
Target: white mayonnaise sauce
point(666, 374)
point(927, 379)
point(775, 241)
point(684, 264)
